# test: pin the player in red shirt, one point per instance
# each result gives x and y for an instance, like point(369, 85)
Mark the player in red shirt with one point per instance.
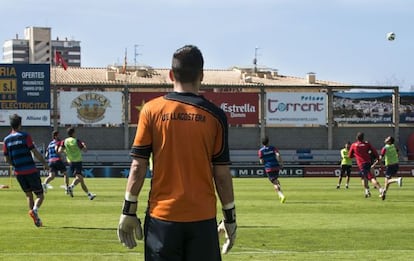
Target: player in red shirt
point(364, 152)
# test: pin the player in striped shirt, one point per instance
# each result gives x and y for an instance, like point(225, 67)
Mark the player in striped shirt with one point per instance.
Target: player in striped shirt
point(56, 164)
point(18, 148)
point(272, 160)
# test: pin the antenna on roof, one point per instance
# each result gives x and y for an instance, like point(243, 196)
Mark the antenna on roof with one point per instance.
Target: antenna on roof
point(136, 54)
point(255, 59)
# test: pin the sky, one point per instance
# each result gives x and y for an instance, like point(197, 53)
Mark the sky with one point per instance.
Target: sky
point(338, 40)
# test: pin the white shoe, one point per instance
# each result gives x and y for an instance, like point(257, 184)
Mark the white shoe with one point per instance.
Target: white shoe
point(91, 196)
point(399, 181)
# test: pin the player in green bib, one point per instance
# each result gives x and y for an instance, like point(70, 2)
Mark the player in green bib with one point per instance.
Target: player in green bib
point(73, 148)
point(346, 165)
point(389, 153)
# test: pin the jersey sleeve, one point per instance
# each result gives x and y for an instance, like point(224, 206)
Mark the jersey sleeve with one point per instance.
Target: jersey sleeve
point(374, 151)
point(222, 151)
point(5, 152)
point(351, 152)
point(142, 145)
point(383, 151)
point(29, 142)
point(80, 144)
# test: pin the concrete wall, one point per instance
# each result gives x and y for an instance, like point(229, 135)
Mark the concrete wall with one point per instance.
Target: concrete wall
point(240, 138)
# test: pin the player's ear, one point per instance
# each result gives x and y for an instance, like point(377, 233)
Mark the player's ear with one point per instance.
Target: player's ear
point(171, 75)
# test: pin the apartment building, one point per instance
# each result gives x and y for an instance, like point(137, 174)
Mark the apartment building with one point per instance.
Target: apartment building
point(37, 46)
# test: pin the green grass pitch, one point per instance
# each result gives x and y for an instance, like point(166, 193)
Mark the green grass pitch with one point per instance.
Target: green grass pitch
point(317, 222)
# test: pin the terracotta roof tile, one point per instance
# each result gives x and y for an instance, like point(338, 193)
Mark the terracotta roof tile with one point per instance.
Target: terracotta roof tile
point(150, 76)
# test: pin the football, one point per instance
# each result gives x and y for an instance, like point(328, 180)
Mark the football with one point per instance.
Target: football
point(391, 36)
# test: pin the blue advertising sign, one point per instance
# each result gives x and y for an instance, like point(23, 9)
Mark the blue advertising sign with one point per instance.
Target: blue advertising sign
point(25, 90)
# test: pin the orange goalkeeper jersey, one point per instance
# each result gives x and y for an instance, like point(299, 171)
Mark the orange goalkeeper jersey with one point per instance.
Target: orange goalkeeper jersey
point(187, 134)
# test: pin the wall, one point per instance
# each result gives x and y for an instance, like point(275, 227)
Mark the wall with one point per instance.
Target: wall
point(240, 138)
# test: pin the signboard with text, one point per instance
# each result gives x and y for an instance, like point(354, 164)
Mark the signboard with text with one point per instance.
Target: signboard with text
point(296, 108)
point(101, 108)
point(362, 107)
point(25, 90)
point(121, 170)
point(240, 108)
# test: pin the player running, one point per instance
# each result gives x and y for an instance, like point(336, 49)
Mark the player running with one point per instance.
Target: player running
point(272, 160)
point(362, 150)
point(390, 155)
point(73, 148)
point(18, 148)
point(56, 164)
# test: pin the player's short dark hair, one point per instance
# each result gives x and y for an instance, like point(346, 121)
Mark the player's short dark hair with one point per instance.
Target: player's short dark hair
point(15, 121)
point(187, 64)
point(70, 131)
point(55, 134)
point(390, 139)
point(265, 141)
point(360, 136)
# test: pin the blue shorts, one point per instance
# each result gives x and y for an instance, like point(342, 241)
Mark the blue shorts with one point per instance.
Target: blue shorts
point(391, 170)
point(273, 175)
point(31, 183)
point(166, 240)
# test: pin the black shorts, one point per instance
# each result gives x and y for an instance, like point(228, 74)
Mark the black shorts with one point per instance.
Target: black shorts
point(165, 240)
point(30, 183)
point(346, 170)
point(57, 166)
point(76, 168)
point(391, 170)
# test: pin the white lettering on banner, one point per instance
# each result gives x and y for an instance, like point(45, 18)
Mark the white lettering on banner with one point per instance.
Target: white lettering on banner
point(238, 115)
point(250, 172)
point(238, 111)
point(237, 108)
point(30, 75)
point(291, 172)
point(364, 119)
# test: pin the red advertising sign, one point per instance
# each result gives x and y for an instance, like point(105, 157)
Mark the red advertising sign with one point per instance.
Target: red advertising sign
point(240, 108)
